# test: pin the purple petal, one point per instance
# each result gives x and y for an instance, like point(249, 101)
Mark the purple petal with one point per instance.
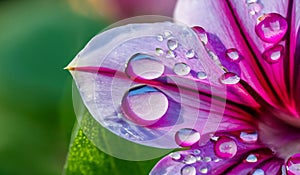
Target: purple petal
point(115, 95)
point(103, 83)
point(206, 160)
point(217, 18)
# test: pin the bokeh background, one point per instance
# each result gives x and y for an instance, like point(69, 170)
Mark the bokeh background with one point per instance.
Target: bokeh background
point(37, 40)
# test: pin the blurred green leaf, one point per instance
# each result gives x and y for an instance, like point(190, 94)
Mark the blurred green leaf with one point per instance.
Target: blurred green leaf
point(85, 158)
point(37, 39)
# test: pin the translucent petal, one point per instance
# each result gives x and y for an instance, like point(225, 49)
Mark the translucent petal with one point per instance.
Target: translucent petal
point(99, 73)
point(126, 101)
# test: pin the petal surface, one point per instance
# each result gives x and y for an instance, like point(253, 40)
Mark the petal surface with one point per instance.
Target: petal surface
point(218, 19)
point(294, 64)
point(276, 72)
point(204, 159)
point(125, 100)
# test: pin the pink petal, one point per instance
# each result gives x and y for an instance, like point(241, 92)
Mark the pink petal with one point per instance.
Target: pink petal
point(266, 162)
point(274, 72)
point(99, 71)
point(216, 17)
point(294, 69)
point(205, 160)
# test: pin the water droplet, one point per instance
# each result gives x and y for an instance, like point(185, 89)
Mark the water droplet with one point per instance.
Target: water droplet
point(172, 44)
point(249, 137)
point(207, 159)
point(199, 158)
point(293, 165)
point(229, 78)
point(171, 54)
point(190, 53)
point(232, 54)
point(196, 151)
point(251, 1)
point(159, 51)
point(144, 105)
point(201, 75)
point(204, 170)
point(217, 160)
point(202, 35)
point(283, 170)
point(271, 27)
point(167, 34)
point(186, 137)
point(273, 54)
point(213, 56)
point(188, 170)
point(258, 172)
point(144, 66)
point(254, 8)
point(175, 156)
point(214, 138)
point(159, 38)
point(251, 158)
point(190, 159)
point(181, 69)
point(225, 147)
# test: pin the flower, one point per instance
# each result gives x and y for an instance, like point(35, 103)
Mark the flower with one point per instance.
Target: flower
point(226, 89)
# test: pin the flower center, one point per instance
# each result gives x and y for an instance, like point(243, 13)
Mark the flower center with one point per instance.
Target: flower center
point(276, 132)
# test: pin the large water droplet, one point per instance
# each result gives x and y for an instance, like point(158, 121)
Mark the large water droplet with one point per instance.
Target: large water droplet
point(144, 105)
point(144, 66)
point(225, 147)
point(293, 165)
point(201, 34)
point(232, 54)
point(251, 158)
point(273, 54)
point(188, 170)
point(258, 172)
point(271, 27)
point(172, 44)
point(187, 137)
point(181, 69)
point(249, 137)
point(229, 78)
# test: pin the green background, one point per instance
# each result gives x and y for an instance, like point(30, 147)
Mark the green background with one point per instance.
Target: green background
point(37, 40)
